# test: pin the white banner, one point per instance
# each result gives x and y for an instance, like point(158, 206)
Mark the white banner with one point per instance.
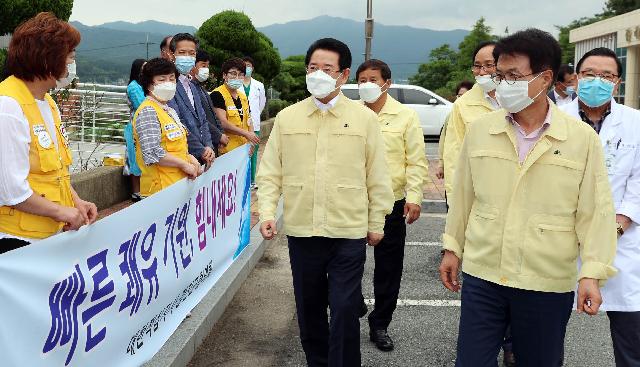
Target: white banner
point(111, 294)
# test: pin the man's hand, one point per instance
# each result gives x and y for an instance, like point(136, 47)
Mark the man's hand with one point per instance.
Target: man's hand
point(252, 137)
point(411, 212)
point(589, 298)
point(440, 172)
point(224, 140)
point(624, 221)
point(373, 239)
point(208, 155)
point(268, 229)
point(88, 210)
point(72, 217)
point(449, 267)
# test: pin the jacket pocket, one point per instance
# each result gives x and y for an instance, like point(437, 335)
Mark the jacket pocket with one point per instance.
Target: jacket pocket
point(298, 150)
point(483, 236)
point(394, 141)
point(550, 247)
point(348, 206)
point(40, 224)
point(298, 208)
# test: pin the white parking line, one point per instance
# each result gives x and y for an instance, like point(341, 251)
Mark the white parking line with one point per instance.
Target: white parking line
point(423, 302)
point(432, 215)
point(433, 244)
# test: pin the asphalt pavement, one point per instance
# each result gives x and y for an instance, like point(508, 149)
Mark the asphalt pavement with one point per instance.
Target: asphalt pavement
point(260, 328)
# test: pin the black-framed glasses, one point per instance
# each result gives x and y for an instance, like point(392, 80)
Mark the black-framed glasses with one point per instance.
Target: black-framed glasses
point(591, 75)
point(326, 69)
point(486, 68)
point(509, 78)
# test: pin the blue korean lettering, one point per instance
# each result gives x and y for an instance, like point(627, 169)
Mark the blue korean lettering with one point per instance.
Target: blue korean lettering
point(150, 273)
point(100, 292)
point(177, 234)
point(64, 299)
point(129, 267)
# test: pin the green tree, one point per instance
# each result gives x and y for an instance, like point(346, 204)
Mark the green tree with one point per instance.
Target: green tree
point(231, 34)
point(15, 12)
point(291, 81)
point(3, 58)
point(436, 73)
point(446, 67)
point(617, 7)
point(568, 48)
point(480, 33)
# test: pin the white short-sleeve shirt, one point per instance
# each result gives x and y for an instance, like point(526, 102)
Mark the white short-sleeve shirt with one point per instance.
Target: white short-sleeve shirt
point(14, 151)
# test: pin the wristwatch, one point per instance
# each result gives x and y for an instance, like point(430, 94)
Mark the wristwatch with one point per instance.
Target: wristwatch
point(620, 230)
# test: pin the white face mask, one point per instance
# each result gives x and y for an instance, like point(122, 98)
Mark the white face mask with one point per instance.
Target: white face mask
point(486, 83)
point(71, 74)
point(370, 92)
point(164, 92)
point(203, 74)
point(515, 98)
point(321, 84)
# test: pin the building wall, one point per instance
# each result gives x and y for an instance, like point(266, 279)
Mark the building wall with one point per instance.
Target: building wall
point(584, 46)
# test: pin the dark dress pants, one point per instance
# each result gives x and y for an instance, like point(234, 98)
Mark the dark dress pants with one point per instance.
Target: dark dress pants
point(625, 334)
point(389, 258)
point(538, 323)
point(328, 272)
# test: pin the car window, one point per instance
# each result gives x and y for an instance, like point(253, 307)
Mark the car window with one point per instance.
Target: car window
point(413, 96)
point(353, 93)
point(393, 92)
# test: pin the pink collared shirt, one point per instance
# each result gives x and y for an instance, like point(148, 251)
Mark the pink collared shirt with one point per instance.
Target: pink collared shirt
point(525, 141)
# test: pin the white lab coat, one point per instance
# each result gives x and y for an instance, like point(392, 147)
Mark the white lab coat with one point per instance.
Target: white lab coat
point(257, 100)
point(620, 136)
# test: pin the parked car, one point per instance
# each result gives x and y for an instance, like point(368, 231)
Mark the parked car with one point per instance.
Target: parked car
point(431, 108)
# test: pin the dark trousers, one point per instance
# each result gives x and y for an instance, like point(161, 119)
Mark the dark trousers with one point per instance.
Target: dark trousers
point(625, 334)
point(328, 272)
point(538, 323)
point(8, 244)
point(389, 258)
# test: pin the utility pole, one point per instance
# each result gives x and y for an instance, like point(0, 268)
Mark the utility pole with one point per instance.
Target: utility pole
point(368, 30)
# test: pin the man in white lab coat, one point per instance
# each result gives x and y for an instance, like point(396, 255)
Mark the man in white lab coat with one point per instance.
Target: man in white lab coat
point(254, 90)
point(619, 129)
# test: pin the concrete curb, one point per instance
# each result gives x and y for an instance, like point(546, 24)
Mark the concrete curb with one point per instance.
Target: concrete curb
point(183, 344)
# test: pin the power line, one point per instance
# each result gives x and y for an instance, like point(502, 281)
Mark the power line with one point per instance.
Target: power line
point(119, 46)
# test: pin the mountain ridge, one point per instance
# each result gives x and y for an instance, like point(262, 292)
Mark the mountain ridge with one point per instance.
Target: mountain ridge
point(107, 50)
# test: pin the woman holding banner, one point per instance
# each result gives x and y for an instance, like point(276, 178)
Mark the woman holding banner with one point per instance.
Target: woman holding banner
point(159, 136)
point(36, 197)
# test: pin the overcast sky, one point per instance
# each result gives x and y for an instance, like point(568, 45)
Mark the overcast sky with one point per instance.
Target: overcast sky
point(433, 14)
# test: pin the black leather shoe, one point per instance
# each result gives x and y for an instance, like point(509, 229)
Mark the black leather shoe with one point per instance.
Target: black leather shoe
point(363, 309)
point(381, 339)
point(509, 359)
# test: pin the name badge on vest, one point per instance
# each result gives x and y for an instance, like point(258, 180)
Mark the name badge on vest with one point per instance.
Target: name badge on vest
point(174, 134)
point(44, 139)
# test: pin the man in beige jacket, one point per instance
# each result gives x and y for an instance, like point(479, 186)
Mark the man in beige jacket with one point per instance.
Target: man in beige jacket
point(326, 156)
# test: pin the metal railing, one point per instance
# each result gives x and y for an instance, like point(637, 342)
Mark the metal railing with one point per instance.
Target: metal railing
point(94, 116)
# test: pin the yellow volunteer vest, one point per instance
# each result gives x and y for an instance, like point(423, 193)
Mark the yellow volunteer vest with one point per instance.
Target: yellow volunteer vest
point(49, 168)
point(173, 140)
point(233, 117)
